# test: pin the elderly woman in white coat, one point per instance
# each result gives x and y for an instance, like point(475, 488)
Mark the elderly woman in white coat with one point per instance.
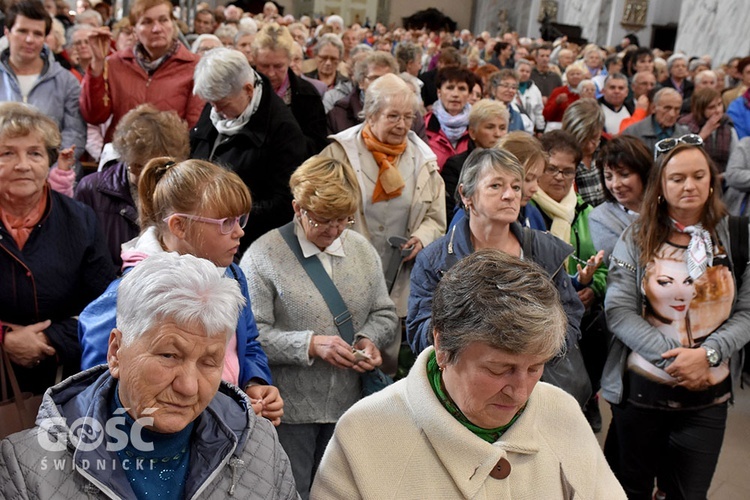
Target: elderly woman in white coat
point(472, 420)
point(402, 191)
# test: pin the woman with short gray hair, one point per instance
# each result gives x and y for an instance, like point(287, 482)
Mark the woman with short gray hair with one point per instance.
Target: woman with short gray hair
point(585, 120)
point(472, 415)
point(490, 189)
point(403, 195)
point(247, 128)
point(329, 52)
point(529, 97)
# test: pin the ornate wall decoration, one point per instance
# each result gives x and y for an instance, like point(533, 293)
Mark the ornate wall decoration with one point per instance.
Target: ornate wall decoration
point(634, 14)
point(548, 9)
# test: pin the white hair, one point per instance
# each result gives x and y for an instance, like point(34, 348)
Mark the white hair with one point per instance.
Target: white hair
point(205, 36)
point(73, 30)
point(184, 289)
point(248, 25)
point(90, 15)
point(221, 73)
point(334, 19)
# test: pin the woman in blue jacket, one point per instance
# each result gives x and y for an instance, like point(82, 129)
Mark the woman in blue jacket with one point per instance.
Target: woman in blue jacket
point(192, 207)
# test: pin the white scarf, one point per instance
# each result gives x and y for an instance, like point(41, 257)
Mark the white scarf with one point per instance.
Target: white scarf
point(700, 251)
point(562, 213)
point(234, 125)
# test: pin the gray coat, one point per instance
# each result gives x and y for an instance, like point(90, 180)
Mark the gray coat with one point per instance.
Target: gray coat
point(631, 332)
point(644, 130)
point(606, 224)
point(737, 177)
point(232, 451)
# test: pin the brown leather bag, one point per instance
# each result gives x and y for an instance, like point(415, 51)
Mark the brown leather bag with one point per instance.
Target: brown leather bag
point(17, 411)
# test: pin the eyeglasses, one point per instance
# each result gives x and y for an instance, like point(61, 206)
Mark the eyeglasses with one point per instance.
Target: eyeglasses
point(509, 86)
point(666, 145)
point(226, 225)
point(395, 118)
point(330, 59)
point(552, 170)
point(343, 222)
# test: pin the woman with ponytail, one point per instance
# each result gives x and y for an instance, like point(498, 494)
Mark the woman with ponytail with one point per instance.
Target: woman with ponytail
point(198, 208)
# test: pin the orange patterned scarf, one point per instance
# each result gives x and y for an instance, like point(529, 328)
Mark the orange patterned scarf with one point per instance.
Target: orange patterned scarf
point(20, 227)
point(390, 183)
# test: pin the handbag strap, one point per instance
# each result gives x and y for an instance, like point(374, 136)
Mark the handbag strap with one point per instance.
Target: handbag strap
point(342, 318)
point(8, 369)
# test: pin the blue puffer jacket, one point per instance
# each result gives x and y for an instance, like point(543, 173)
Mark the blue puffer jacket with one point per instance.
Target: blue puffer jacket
point(99, 318)
point(739, 111)
point(547, 251)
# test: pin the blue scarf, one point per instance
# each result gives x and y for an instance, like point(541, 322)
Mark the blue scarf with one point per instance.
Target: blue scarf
point(454, 127)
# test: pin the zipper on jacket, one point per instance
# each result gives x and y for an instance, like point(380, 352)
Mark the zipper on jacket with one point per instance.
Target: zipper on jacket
point(234, 462)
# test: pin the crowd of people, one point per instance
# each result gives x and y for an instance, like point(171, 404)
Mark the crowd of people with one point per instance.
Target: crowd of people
point(233, 229)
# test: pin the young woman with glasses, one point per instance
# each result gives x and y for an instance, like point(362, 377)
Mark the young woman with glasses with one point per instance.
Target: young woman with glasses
point(678, 311)
point(198, 208)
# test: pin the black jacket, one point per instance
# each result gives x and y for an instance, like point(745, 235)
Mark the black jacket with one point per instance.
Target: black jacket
point(264, 154)
point(307, 108)
point(63, 266)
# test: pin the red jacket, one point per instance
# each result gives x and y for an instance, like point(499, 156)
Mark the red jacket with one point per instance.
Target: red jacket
point(170, 87)
point(439, 142)
point(553, 112)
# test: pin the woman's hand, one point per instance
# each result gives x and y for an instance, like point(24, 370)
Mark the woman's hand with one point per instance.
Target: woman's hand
point(690, 367)
point(416, 245)
point(66, 159)
point(27, 345)
point(371, 350)
point(332, 349)
point(561, 98)
point(587, 297)
point(586, 273)
point(711, 124)
point(99, 39)
point(268, 401)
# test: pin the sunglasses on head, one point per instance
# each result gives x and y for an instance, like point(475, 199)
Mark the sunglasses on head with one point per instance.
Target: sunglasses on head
point(666, 145)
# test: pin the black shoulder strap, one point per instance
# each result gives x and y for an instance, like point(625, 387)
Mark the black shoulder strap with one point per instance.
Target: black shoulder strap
point(528, 243)
point(342, 318)
point(739, 245)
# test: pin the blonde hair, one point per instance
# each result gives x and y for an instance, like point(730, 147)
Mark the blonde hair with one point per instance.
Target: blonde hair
point(19, 120)
point(193, 187)
point(327, 187)
point(486, 109)
point(525, 147)
point(274, 37)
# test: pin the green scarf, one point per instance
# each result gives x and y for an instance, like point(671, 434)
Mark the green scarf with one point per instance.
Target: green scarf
point(436, 382)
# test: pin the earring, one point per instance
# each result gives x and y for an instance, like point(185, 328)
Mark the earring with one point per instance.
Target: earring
point(659, 200)
point(711, 191)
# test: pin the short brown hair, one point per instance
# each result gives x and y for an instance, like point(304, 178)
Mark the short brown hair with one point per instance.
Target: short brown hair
point(141, 6)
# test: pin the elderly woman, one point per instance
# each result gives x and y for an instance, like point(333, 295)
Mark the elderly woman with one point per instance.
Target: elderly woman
point(162, 391)
point(272, 52)
point(490, 189)
point(707, 119)
point(143, 133)
point(504, 87)
point(529, 97)
point(563, 96)
point(471, 420)
point(586, 89)
point(123, 35)
point(54, 259)
point(678, 306)
point(329, 52)
point(158, 70)
point(204, 43)
point(488, 123)
point(309, 351)
point(625, 164)
point(401, 189)
point(584, 119)
point(247, 128)
point(448, 122)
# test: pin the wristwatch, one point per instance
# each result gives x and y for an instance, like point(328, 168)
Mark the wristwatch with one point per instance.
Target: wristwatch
point(712, 355)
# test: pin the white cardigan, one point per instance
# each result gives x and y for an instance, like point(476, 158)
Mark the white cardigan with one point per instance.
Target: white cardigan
point(402, 443)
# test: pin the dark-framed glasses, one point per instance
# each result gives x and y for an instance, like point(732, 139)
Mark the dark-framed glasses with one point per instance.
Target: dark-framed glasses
point(342, 222)
point(226, 225)
point(668, 144)
point(552, 170)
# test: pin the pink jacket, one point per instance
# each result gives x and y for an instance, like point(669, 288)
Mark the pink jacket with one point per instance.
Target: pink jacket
point(439, 142)
point(170, 87)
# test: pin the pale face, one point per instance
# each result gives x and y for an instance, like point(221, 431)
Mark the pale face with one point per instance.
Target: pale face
point(172, 369)
point(715, 108)
point(490, 385)
point(615, 92)
point(706, 82)
point(625, 185)
point(476, 94)
point(203, 24)
point(575, 75)
point(207, 45)
point(667, 110)
point(24, 166)
point(531, 181)
point(392, 124)
point(155, 30)
point(454, 96)
point(274, 64)
point(669, 289)
point(679, 69)
point(588, 91)
point(349, 39)
point(686, 182)
point(489, 132)
point(25, 40)
point(542, 59)
point(125, 40)
point(373, 73)
point(82, 46)
point(232, 106)
point(593, 59)
point(506, 90)
point(644, 63)
point(205, 240)
point(326, 231)
point(589, 146)
point(565, 58)
point(643, 83)
point(497, 198)
point(328, 59)
point(245, 45)
point(524, 71)
point(555, 183)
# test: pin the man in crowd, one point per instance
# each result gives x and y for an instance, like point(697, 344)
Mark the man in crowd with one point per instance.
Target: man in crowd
point(543, 76)
point(615, 103)
point(663, 122)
